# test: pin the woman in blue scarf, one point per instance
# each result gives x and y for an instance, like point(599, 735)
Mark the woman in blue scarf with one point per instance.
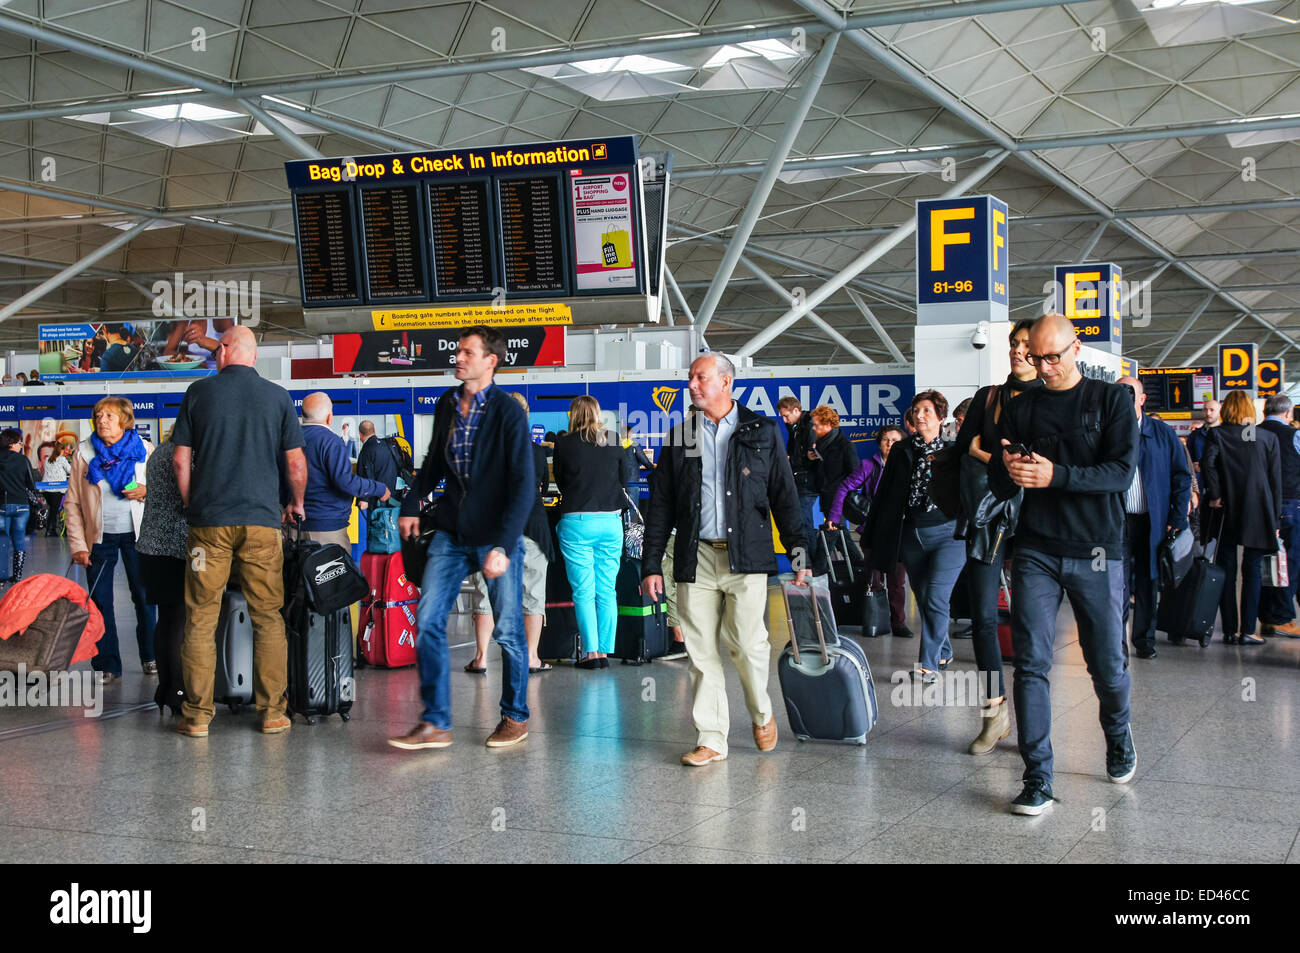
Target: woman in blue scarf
point(102, 511)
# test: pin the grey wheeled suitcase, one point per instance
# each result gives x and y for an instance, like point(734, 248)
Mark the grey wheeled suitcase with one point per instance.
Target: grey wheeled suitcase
point(234, 677)
point(827, 686)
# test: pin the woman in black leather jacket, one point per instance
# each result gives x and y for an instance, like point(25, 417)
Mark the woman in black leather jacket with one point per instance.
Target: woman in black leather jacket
point(983, 577)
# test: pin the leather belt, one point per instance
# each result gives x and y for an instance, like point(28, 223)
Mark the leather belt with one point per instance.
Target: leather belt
point(715, 543)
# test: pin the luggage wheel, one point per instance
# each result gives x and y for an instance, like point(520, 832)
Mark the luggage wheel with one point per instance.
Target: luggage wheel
point(311, 720)
point(802, 737)
point(346, 716)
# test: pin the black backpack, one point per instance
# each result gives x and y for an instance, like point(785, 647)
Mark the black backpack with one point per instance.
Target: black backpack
point(402, 457)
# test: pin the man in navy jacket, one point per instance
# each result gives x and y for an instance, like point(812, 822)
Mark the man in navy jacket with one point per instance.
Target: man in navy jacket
point(1156, 502)
point(331, 484)
point(481, 448)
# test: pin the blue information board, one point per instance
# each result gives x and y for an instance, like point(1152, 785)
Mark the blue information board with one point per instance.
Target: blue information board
point(961, 250)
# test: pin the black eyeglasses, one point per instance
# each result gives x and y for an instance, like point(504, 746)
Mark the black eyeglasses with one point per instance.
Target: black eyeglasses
point(1049, 359)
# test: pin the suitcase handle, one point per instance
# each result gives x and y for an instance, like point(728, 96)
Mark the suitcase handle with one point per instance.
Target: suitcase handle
point(817, 625)
point(830, 554)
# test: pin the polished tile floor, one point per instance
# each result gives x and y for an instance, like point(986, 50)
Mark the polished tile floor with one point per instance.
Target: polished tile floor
point(598, 779)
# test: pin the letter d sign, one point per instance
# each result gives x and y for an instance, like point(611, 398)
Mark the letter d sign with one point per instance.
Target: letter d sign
point(1238, 367)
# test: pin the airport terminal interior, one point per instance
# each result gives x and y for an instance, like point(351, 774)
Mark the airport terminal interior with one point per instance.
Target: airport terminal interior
point(854, 200)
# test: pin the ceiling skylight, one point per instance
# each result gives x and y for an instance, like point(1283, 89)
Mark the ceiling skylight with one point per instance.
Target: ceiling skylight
point(194, 111)
point(645, 65)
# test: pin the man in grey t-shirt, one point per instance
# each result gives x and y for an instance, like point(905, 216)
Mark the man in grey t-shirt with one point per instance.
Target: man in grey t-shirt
point(236, 427)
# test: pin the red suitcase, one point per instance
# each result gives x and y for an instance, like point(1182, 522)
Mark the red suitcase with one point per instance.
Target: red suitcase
point(388, 627)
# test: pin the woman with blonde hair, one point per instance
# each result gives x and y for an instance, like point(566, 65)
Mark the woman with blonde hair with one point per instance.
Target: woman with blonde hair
point(103, 511)
point(587, 464)
point(1242, 469)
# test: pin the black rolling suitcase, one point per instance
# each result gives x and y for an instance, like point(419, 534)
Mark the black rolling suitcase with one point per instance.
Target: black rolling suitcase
point(847, 575)
point(320, 645)
point(1189, 610)
point(643, 633)
point(559, 641)
point(825, 680)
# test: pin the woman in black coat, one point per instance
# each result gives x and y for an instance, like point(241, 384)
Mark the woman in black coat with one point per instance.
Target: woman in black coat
point(905, 523)
point(1242, 470)
point(836, 453)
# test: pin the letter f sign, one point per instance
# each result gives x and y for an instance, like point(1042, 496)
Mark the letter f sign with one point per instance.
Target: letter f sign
point(940, 238)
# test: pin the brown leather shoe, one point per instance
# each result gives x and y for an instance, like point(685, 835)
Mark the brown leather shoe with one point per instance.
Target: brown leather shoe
point(509, 732)
point(191, 729)
point(765, 736)
point(423, 735)
point(1290, 629)
point(702, 756)
point(273, 726)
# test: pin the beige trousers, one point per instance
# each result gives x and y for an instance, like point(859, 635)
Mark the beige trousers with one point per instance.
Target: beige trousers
point(724, 610)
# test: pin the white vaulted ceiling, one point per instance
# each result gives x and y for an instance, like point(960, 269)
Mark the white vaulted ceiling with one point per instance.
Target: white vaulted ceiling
point(1143, 133)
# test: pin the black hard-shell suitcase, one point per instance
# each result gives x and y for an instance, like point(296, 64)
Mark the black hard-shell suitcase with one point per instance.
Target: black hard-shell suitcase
point(233, 684)
point(1190, 610)
point(559, 641)
point(320, 645)
point(826, 684)
point(642, 622)
point(320, 664)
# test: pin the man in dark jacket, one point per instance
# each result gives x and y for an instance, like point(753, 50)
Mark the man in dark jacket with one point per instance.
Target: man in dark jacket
point(1161, 487)
point(480, 446)
point(721, 472)
point(1276, 604)
point(803, 464)
point(376, 461)
point(331, 484)
point(1082, 440)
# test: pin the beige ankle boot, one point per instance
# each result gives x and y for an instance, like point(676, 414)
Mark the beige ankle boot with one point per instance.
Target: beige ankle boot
point(997, 725)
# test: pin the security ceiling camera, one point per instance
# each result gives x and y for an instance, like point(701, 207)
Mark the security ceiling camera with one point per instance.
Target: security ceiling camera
point(980, 339)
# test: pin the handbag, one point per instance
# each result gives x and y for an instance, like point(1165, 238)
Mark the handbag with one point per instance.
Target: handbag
point(1279, 573)
point(857, 505)
point(415, 551)
point(633, 532)
point(1174, 557)
point(875, 612)
point(382, 535)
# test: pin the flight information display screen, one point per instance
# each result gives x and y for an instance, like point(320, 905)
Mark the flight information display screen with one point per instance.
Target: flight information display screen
point(390, 226)
point(327, 247)
point(532, 235)
point(461, 232)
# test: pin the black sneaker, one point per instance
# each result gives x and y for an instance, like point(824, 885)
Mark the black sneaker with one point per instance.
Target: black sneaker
point(903, 633)
point(1035, 799)
point(1121, 757)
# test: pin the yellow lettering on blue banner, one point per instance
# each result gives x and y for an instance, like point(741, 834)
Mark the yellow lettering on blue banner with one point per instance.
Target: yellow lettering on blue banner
point(940, 238)
point(999, 234)
point(1074, 294)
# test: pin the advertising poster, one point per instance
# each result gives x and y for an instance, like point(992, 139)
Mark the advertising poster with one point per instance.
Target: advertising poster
point(417, 352)
point(111, 351)
point(604, 235)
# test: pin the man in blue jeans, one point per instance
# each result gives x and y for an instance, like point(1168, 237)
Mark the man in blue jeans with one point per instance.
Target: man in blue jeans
point(1080, 438)
point(480, 447)
point(1277, 604)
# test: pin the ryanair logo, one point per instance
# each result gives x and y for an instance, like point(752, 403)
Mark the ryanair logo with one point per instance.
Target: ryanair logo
point(664, 398)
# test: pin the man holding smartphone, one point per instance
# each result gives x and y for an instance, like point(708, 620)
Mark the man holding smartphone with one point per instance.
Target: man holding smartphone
point(1072, 446)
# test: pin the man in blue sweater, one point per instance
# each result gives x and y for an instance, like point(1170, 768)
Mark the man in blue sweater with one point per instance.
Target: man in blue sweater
point(331, 484)
point(481, 448)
